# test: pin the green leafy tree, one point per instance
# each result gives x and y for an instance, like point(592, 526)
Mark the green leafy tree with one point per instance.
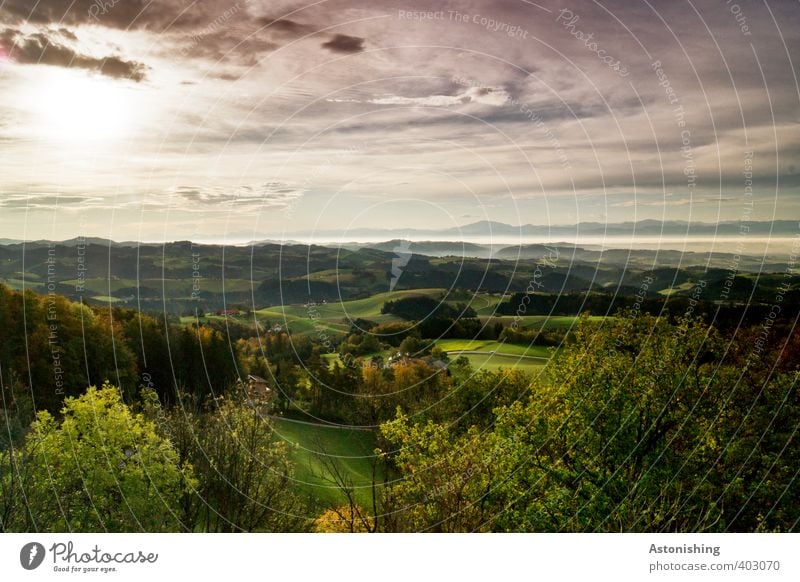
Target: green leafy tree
point(641, 426)
point(446, 479)
point(245, 477)
point(100, 468)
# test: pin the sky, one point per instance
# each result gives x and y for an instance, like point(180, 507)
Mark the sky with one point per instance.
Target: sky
point(242, 120)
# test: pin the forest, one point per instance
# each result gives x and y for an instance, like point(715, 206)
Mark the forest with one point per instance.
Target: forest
point(116, 420)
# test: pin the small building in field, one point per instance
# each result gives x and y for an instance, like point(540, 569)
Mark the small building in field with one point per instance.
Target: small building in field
point(229, 312)
point(257, 388)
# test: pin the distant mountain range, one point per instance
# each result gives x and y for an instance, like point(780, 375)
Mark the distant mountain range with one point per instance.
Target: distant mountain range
point(654, 228)
point(159, 277)
point(488, 229)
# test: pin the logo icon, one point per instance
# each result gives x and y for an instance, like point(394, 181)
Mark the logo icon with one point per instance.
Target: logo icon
point(402, 256)
point(31, 555)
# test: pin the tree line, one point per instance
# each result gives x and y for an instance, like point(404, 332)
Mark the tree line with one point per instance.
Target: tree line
point(639, 423)
point(54, 348)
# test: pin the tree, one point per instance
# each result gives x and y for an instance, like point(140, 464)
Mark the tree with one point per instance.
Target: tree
point(344, 519)
point(642, 425)
point(244, 473)
point(351, 517)
point(445, 479)
point(100, 468)
point(415, 347)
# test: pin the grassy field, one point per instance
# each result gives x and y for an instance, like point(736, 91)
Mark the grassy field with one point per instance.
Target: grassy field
point(19, 284)
point(463, 345)
point(352, 449)
point(106, 299)
point(366, 308)
point(483, 303)
point(497, 354)
point(334, 315)
point(172, 287)
point(677, 288)
point(496, 361)
point(540, 322)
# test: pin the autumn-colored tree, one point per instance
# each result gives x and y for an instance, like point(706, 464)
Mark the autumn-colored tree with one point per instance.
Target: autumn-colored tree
point(343, 519)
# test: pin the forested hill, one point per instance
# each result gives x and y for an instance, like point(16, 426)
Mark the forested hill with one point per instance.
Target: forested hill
point(182, 277)
point(60, 347)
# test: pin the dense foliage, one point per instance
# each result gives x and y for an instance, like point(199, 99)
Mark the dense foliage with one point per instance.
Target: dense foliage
point(99, 468)
point(643, 426)
point(53, 348)
point(640, 423)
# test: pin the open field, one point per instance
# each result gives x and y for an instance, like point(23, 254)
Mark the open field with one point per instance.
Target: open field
point(20, 284)
point(688, 285)
point(334, 316)
point(502, 348)
point(496, 361)
point(366, 308)
point(492, 355)
point(539, 322)
point(352, 449)
point(484, 303)
point(107, 299)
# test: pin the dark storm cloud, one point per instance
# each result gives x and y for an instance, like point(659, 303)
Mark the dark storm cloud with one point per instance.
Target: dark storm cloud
point(343, 43)
point(41, 49)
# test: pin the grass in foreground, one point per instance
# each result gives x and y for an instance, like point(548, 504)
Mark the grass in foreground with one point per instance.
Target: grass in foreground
point(352, 450)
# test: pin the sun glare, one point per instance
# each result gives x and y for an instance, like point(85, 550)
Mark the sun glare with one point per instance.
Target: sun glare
point(79, 107)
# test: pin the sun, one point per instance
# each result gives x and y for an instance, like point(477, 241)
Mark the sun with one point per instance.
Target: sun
point(76, 106)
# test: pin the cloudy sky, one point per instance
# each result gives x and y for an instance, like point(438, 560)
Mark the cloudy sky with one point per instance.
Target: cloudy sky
point(226, 119)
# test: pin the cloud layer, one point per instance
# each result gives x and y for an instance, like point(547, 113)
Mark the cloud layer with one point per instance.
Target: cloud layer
point(341, 110)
